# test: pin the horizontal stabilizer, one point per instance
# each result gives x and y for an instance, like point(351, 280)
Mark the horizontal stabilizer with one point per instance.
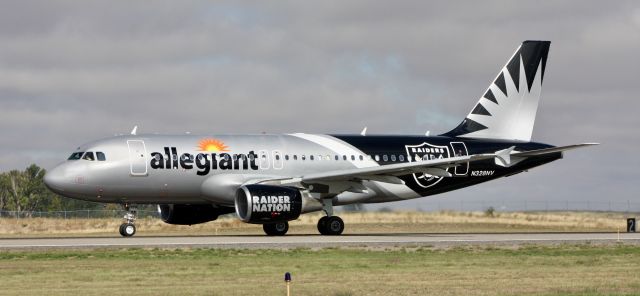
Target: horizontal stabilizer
point(551, 150)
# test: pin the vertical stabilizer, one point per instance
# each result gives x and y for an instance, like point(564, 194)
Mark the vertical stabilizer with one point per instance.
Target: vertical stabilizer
point(507, 110)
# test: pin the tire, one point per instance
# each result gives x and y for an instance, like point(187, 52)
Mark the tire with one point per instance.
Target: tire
point(334, 225)
point(276, 229)
point(128, 229)
point(322, 225)
point(121, 230)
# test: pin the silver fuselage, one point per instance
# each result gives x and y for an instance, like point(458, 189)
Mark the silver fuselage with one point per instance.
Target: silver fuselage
point(177, 169)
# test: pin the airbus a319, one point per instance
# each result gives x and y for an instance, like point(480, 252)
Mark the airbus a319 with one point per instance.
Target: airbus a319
point(271, 179)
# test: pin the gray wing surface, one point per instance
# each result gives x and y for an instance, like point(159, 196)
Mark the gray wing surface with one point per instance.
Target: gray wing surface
point(388, 173)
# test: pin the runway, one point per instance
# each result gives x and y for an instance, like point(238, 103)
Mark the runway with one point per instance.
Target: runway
point(318, 241)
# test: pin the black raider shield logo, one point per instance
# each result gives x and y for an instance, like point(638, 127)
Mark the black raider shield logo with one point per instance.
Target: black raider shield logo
point(422, 152)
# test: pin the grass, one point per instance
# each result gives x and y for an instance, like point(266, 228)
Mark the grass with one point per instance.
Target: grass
point(526, 270)
point(367, 222)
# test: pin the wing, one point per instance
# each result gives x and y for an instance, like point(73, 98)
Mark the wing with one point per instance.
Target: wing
point(350, 180)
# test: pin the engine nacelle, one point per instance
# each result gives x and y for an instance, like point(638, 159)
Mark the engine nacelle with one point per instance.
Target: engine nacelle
point(190, 214)
point(260, 204)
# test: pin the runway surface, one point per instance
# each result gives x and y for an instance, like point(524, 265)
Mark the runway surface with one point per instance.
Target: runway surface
point(318, 241)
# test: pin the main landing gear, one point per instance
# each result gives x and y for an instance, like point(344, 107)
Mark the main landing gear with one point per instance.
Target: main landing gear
point(127, 228)
point(330, 224)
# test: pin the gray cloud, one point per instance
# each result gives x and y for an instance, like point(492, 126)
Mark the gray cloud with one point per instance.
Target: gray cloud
point(74, 71)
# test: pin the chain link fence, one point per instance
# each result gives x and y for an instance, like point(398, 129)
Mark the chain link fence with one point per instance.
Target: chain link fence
point(76, 214)
point(420, 205)
point(530, 206)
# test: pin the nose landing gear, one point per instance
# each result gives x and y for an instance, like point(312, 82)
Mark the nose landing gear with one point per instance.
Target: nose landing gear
point(128, 228)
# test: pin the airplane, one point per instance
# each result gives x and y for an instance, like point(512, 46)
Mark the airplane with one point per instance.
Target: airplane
point(271, 179)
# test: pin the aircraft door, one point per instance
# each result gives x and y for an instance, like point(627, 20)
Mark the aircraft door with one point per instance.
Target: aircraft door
point(277, 160)
point(460, 149)
point(137, 157)
point(264, 159)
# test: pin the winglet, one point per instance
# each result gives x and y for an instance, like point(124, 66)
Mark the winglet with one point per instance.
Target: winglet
point(134, 131)
point(503, 157)
point(364, 131)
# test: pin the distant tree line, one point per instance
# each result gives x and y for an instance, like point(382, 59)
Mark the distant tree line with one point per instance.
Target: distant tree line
point(24, 192)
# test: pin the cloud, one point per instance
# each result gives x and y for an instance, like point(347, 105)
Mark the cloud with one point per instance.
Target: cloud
point(71, 72)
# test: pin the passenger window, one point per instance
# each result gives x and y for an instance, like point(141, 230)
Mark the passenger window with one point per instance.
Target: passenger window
point(393, 157)
point(353, 157)
point(361, 157)
point(302, 157)
point(295, 157)
point(377, 157)
point(344, 157)
point(401, 158)
point(75, 156)
point(89, 156)
point(311, 157)
point(385, 158)
point(286, 157)
point(277, 156)
point(100, 156)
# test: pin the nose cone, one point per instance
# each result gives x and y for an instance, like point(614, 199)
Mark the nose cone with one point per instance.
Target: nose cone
point(54, 180)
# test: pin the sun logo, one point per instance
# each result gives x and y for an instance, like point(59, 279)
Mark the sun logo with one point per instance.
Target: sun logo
point(212, 145)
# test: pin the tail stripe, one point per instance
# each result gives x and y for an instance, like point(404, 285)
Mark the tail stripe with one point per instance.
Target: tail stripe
point(501, 84)
point(480, 110)
point(532, 56)
point(489, 96)
point(513, 68)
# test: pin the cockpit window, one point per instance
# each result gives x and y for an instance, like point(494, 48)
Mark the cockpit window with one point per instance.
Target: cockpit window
point(75, 156)
point(89, 156)
point(100, 156)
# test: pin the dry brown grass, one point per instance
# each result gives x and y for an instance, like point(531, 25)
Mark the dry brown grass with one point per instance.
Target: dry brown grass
point(365, 222)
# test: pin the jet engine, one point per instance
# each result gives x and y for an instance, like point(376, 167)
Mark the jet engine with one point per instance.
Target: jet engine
point(261, 204)
point(191, 214)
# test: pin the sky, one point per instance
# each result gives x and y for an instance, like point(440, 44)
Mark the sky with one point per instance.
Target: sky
point(75, 71)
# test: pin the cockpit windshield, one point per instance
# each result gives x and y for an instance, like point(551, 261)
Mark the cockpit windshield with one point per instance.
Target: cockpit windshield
point(89, 156)
point(76, 156)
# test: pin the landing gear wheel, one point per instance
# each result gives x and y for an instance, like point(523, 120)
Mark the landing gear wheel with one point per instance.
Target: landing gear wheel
point(127, 229)
point(333, 226)
point(278, 228)
point(322, 225)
